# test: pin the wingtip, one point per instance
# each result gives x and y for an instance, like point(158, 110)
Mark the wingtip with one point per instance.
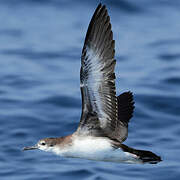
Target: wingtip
point(101, 6)
point(130, 92)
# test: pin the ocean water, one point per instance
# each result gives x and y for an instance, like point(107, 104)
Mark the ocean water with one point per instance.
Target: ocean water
point(40, 49)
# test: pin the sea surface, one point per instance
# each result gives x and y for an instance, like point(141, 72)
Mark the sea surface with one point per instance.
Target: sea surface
point(40, 50)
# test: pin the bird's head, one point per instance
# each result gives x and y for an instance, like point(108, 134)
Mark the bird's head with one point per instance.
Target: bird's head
point(46, 144)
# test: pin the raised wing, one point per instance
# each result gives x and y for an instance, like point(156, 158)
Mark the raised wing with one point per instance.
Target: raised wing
point(99, 101)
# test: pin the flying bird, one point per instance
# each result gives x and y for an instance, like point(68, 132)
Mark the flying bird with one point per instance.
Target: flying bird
point(103, 125)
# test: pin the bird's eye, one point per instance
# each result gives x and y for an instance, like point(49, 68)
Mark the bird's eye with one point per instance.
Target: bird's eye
point(43, 143)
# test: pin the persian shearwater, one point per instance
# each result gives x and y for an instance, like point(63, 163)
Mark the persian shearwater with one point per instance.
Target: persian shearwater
point(103, 126)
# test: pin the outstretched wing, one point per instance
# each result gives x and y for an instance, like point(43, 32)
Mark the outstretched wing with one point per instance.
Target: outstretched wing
point(99, 101)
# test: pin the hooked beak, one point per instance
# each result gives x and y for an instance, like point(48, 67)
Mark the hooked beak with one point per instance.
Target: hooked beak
point(30, 148)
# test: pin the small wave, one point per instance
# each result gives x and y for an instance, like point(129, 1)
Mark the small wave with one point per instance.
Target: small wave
point(82, 173)
point(32, 54)
point(170, 57)
point(62, 101)
point(11, 32)
point(127, 6)
point(172, 80)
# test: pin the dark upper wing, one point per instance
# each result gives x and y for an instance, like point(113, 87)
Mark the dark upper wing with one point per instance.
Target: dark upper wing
point(125, 107)
point(99, 101)
point(125, 112)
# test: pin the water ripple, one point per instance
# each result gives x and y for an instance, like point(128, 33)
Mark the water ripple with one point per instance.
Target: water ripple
point(40, 53)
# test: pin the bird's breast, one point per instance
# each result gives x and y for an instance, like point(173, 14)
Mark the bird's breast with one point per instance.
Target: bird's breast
point(95, 148)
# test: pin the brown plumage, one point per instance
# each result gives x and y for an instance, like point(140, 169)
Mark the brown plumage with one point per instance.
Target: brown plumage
point(61, 141)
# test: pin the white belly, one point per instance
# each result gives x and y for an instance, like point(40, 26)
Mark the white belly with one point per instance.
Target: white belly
point(98, 149)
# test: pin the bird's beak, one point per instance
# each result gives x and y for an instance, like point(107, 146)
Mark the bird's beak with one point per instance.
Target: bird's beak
point(30, 148)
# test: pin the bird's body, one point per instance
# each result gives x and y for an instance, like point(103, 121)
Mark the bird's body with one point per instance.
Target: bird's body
point(104, 120)
point(93, 148)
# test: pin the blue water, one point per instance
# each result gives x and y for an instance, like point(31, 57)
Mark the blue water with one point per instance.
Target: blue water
point(40, 49)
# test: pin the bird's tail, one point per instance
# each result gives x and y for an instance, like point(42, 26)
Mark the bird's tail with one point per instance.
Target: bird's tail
point(144, 156)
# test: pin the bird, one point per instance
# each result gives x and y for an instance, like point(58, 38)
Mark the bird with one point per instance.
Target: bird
point(103, 125)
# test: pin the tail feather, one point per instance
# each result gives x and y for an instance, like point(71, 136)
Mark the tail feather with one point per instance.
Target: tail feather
point(148, 156)
point(144, 156)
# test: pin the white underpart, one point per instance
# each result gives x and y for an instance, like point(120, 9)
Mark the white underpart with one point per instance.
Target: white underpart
point(95, 78)
point(93, 148)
